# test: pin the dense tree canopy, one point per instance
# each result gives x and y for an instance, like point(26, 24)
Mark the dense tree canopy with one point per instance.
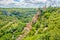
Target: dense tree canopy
point(13, 21)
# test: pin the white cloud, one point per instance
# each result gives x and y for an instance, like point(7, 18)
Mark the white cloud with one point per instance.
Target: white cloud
point(39, 0)
point(24, 3)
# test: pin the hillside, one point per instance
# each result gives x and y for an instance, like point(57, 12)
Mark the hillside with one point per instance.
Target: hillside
point(12, 22)
point(47, 27)
point(44, 27)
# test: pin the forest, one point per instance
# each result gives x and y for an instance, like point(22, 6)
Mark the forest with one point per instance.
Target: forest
point(14, 20)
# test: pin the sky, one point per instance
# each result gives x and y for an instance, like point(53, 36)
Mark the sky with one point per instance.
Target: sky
point(28, 3)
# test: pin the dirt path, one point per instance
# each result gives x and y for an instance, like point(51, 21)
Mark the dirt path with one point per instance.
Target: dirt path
point(28, 27)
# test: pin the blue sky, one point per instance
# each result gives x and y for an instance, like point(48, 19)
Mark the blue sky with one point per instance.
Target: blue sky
point(28, 3)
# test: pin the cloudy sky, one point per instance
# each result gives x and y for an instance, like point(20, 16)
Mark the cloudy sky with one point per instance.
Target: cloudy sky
point(28, 3)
